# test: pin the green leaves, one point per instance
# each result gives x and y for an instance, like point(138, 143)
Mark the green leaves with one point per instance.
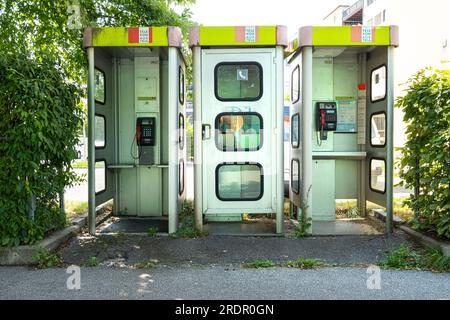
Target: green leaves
point(426, 154)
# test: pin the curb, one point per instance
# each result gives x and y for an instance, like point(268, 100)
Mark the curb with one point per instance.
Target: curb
point(23, 255)
point(444, 247)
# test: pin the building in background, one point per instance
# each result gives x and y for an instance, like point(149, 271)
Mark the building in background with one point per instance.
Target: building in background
point(424, 37)
point(335, 17)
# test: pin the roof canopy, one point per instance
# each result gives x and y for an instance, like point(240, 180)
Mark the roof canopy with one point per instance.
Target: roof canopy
point(344, 36)
point(238, 36)
point(132, 37)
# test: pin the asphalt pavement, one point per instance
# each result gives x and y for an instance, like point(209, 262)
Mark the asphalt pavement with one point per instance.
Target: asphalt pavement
point(220, 283)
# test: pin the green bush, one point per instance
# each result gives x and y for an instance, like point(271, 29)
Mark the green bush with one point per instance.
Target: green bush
point(41, 118)
point(425, 164)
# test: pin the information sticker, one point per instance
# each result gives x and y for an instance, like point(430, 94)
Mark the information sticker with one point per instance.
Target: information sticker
point(366, 34)
point(250, 34)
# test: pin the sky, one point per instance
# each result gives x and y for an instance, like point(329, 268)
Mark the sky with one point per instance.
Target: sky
point(291, 13)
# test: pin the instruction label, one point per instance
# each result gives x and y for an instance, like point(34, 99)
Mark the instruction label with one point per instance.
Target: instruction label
point(250, 34)
point(366, 34)
point(347, 117)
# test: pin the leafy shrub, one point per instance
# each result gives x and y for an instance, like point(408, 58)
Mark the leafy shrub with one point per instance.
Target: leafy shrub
point(425, 164)
point(187, 227)
point(40, 119)
point(46, 259)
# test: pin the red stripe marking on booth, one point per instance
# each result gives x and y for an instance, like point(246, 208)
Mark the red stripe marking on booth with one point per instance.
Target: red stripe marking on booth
point(140, 35)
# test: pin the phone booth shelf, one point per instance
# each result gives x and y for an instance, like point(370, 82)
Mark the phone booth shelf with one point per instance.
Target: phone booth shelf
point(136, 116)
point(238, 101)
point(342, 112)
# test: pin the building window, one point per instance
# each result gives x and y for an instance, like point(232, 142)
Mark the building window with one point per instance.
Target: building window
point(378, 130)
point(295, 85)
point(384, 15)
point(181, 177)
point(181, 131)
point(181, 86)
point(100, 89)
point(239, 182)
point(239, 131)
point(378, 86)
point(238, 81)
point(295, 131)
point(378, 175)
point(100, 131)
point(100, 176)
point(295, 176)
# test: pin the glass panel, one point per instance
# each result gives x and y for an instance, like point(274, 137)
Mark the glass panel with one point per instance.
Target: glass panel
point(100, 132)
point(181, 177)
point(295, 85)
point(378, 87)
point(239, 182)
point(181, 131)
point(295, 176)
point(99, 86)
point(236, 82)
point(378, 175)
point(239, 132)
point(295, 131)
point(378, 129)
point(100, 176)
point(181, 86)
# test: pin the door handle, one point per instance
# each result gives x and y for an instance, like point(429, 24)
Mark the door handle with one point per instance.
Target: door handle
point(206, 132)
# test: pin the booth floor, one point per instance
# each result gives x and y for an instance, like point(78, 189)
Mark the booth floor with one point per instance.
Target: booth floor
point(259, 229)
point(136, 225)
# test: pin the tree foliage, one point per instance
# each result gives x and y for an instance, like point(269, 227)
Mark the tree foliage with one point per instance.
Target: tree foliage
point(426, 155)
point(41, 115)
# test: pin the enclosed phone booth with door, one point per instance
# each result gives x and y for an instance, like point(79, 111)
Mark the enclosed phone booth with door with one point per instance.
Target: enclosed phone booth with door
point(136, 119)
point(238, 122)
point(341, 120)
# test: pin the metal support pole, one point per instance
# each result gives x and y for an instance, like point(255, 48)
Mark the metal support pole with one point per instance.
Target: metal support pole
point(91, 138)
point(197, 97)
point(308, 123)
point(390, 144)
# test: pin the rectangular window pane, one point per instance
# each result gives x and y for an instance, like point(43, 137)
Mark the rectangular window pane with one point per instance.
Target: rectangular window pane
point(238, 81)
point(378, 175)
point(100, 176)
point(99, 86)
point(378, 129)
point(378, 84)
point(295, 131)
point(239, 182)
point(295, 85)
point(181, 131)
point(239, 132)
point(295, 176)
point(100, 132)
point(181, 86)
point(181, 177)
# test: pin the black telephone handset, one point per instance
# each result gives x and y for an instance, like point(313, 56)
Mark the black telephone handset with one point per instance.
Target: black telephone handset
point(146, 131)
point(326, 118)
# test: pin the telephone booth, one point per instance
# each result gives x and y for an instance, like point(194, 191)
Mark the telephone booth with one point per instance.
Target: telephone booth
point(238, 122)
point(341, 120)
point(136, 123)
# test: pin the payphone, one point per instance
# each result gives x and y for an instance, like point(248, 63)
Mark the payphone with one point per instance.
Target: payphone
point(145, 140)
point(326, 118)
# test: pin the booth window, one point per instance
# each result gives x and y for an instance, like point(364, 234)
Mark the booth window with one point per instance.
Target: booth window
point(295, 131)
point(295, 176)
point(295, 85)
point(100, 131)
point(181, 131)
point(100, 176)
point(239, 131)
point(378, 175)
point(378, 86)
point(181, 177)
point(239, 182)
point(181, 86)
point(378, 130)
point(238, 81)
point(100, 89)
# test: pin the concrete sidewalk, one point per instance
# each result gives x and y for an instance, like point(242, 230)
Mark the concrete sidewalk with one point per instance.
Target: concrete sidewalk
point(216, 250)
